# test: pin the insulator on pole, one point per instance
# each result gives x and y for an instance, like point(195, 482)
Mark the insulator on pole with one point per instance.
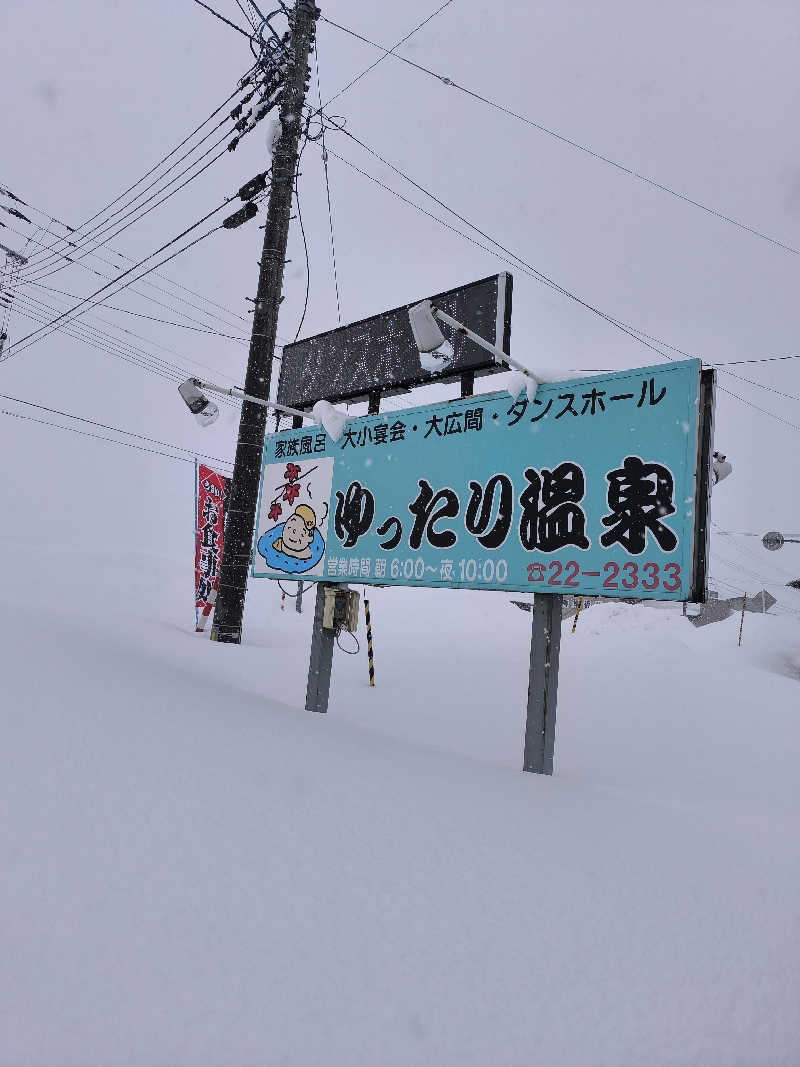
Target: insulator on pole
point(253, 187)
point(244, 214)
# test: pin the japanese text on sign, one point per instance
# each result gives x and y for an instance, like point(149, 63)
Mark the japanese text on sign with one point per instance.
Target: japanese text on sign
point(589, 488)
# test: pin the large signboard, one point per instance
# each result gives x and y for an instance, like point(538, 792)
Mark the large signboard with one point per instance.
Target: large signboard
point(592, 489)
point(379, 354)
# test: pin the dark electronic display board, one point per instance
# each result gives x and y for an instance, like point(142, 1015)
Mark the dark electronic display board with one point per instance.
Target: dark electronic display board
point(378, 354)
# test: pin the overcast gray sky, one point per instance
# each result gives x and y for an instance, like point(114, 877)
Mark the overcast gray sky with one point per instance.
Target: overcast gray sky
point(701, 97)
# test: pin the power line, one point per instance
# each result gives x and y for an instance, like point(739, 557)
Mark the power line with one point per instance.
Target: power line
point(115, 429)
point(247, 18)
point(87, 333)
point(48, 311)
point(305, 246)
point(569, 141)
point(390, 52)
point(97, 436)
point(175, 296)
point(328, 184)
point(85, 330)
point(763, 411)
point(154, 196)
point(37, 270)
point(55, 326)
point(240, 84)
point(745, 533)
point(761, 385)
point(763, 359)
point(743, 550)
point(744, 569)
point(227, 22)
point(517, 262)
point(150, 318)
point(163, 247)
point(200, 327)
point(116, 252)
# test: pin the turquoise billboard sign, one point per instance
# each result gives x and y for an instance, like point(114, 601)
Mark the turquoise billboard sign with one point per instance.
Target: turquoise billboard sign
point(589, 489)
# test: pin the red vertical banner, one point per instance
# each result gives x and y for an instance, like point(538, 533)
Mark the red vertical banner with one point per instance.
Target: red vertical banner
point(211, 490)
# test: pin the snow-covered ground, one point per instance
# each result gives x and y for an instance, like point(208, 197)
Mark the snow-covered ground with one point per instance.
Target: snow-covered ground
point(194, 870)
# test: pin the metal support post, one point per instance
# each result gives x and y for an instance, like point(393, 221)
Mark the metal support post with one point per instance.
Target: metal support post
point(540, 727)
point(321, 659)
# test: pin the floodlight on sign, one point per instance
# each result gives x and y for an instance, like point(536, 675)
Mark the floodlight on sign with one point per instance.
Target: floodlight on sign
point(518, 380)
point(203, 409)
point(430, 341)
point(720, 467)
point(427, 335)
point(331, 419)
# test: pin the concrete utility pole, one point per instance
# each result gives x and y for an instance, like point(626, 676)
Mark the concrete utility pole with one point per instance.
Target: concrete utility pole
point(252, 425)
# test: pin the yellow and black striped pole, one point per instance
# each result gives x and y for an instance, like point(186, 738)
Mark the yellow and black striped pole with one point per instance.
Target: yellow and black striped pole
point(741, 624)
point(370, 657)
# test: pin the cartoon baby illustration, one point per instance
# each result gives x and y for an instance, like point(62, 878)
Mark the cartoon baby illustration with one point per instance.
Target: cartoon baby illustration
point(298, 533)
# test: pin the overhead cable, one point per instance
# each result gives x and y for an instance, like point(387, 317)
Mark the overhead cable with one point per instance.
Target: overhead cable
point(115, 429)
point(515, 261)
point(88, 332)
point(570, 142)
point(762, 359)
point(100, 437)
point(92, 336)
point(305, 242)
point(390, 52)
point(56, 324)
point(327, 179)
point(28, 338)
point(151, 318)
point(222, 18)
point(154, 196)
point(77, 229)
point(150, 284)
point(763, 411)
point(518, 263)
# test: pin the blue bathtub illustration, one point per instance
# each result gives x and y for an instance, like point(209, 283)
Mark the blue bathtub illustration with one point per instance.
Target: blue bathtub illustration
point(280, 561)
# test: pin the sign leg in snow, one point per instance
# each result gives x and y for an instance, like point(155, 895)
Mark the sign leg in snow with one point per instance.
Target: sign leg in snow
point(540, 727)
point(321, 660)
